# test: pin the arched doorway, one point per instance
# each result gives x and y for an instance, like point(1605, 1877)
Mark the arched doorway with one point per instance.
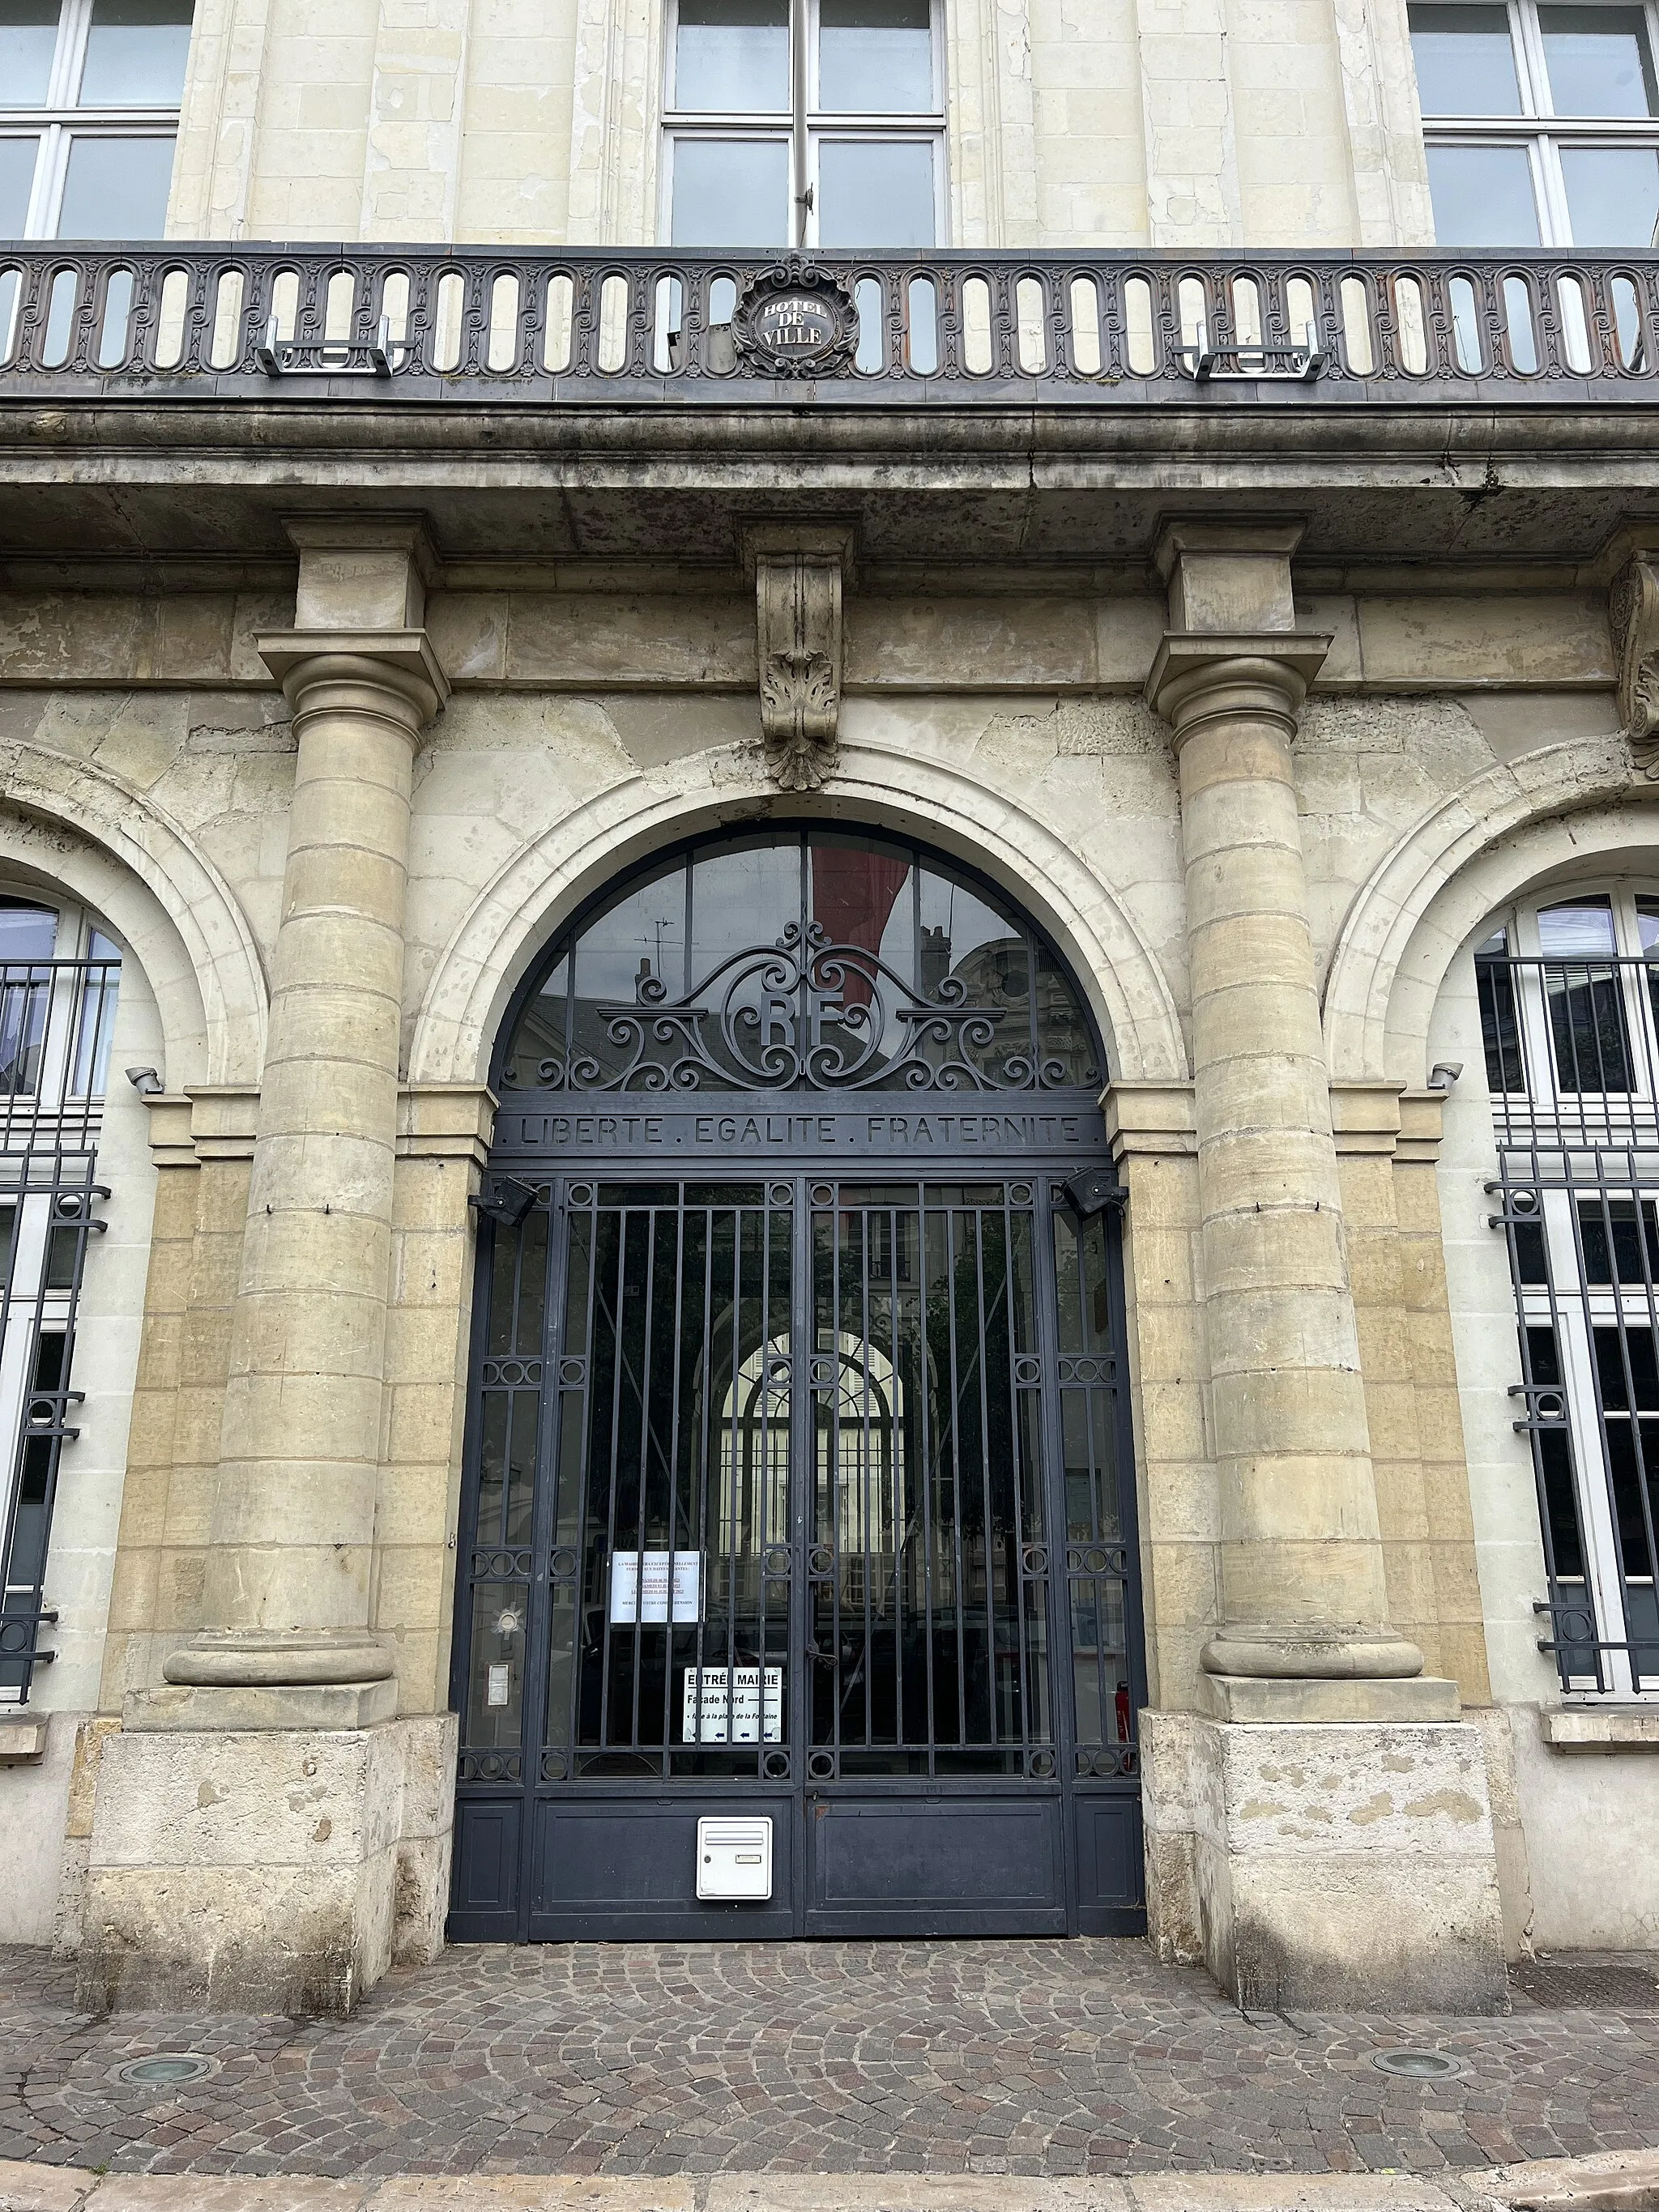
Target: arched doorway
point(798, 1493)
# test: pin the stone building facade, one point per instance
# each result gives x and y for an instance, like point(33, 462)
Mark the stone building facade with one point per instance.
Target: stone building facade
point(1104, 772)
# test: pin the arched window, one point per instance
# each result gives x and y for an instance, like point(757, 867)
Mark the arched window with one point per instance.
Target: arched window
point(812, 961)
point(59, 979)
point(1568, 985)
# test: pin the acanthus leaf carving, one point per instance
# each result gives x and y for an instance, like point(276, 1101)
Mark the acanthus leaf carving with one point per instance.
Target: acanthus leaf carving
point(1633, 617)
point(798, 609)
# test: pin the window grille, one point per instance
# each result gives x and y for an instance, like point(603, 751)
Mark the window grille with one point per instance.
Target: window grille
point(57, 1019)
point(1570, 1031)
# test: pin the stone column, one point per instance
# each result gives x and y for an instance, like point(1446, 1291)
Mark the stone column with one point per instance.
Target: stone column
point(1322, 1824)
point(289, 1573)
point(1302, 1567)
point(252, 1815)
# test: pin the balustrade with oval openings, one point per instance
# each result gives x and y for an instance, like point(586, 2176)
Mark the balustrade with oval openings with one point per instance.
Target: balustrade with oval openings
point(1118, 329)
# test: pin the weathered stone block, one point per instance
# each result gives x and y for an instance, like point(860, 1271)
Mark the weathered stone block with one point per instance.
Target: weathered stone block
point(275, 1869)
point(1320, 1865)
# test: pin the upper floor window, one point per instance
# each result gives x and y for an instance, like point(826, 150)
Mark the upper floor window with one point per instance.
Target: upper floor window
point(89, 93)
point(1541, 121)
point(804, 122)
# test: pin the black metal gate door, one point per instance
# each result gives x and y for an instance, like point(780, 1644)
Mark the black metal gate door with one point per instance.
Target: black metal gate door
point(804, 1496)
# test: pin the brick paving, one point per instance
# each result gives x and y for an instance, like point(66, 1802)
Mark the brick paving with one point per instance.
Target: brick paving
point(978, 2057)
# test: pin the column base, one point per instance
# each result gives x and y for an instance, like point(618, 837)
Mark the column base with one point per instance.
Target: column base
point(1256, 1698)
point(282, 1868)
point(1325, 1865)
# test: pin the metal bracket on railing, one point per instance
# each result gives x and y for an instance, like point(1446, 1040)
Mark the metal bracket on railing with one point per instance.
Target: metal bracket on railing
point(281, 356)
point(1546, 1406)
point(47, 1413)
point(1252, 364)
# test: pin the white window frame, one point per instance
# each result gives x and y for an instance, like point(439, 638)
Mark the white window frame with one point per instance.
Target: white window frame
point(1567, 1303)
point(804, 126)
point(58, 119)
point(1536, 128)
point(30, 1308)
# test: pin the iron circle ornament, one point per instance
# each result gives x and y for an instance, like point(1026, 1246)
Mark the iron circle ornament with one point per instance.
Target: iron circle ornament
point(796, 319)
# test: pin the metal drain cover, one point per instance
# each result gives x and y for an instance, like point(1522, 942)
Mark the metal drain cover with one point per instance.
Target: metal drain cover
point(163, 2069)
point(1417, 2065)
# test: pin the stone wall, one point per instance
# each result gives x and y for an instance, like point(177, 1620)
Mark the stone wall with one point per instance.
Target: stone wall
point(597, 714)
point(1166, 123)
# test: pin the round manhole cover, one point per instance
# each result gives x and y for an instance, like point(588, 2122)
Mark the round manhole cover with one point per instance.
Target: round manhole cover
point(1417, 2065)
point(165, 2069)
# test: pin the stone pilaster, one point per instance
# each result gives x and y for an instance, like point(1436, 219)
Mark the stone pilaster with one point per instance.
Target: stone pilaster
point(1322, 1823)
point(265, 1833)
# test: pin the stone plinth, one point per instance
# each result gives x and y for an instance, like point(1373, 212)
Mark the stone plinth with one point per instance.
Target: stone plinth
point(1323, 1865)
point(260, 1868)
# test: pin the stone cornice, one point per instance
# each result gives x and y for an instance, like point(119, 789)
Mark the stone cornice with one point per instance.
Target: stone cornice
point(1387, 1118)
point(446, 1121)
point(1153, 1120)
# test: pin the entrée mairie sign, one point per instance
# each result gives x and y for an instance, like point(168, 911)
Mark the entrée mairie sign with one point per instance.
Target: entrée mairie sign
point(796, 320)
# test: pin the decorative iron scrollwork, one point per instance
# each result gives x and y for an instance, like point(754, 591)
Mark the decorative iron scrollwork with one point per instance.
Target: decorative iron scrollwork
point(804, 1013)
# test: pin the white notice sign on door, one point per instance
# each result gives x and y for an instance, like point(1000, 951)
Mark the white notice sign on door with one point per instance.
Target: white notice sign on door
point(710, 1709)
point(645, 1584)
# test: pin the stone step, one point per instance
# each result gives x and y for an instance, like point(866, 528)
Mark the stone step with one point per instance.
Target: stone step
point(1614, 2181)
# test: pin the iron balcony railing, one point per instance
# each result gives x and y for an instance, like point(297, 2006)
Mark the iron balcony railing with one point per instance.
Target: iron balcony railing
point(648, 327)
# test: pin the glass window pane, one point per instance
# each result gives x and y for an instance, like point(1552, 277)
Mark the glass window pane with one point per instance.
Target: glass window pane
point(1482, 195)
point(1613, 193)
point(875, 194)
point(136, 52)
point(26, 932)
point(115, 188)
point(28, 34)
point(1578, 929)
point(730, 191)
point(16, 175)
point(876, 56)
point(733, 55)
point(1464, 62)
point(1599, 63)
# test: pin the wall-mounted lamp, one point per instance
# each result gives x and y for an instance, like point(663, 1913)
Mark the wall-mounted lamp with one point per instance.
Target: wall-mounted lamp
point(1444, 1073)
point(146, 1082)
point(506, 1200)
point(1092, 1191)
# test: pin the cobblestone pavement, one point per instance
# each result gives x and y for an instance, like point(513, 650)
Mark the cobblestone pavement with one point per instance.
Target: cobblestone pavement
point(1013, 2057)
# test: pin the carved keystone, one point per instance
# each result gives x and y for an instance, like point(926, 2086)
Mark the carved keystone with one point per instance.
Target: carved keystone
point(1633, 617)
point(799, 572)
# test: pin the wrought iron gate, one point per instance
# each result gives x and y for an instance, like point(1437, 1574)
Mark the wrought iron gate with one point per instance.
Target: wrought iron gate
point(799, 1492)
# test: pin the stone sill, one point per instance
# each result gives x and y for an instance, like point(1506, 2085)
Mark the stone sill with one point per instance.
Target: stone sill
point(22, 1738)
point(1581, 1729)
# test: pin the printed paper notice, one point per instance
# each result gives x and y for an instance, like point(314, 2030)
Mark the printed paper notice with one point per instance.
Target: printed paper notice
point(645, 1585)
point(716, 1713)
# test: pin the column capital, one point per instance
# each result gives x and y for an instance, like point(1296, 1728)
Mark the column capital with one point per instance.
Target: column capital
point(321, 667)
point(1198, 673)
